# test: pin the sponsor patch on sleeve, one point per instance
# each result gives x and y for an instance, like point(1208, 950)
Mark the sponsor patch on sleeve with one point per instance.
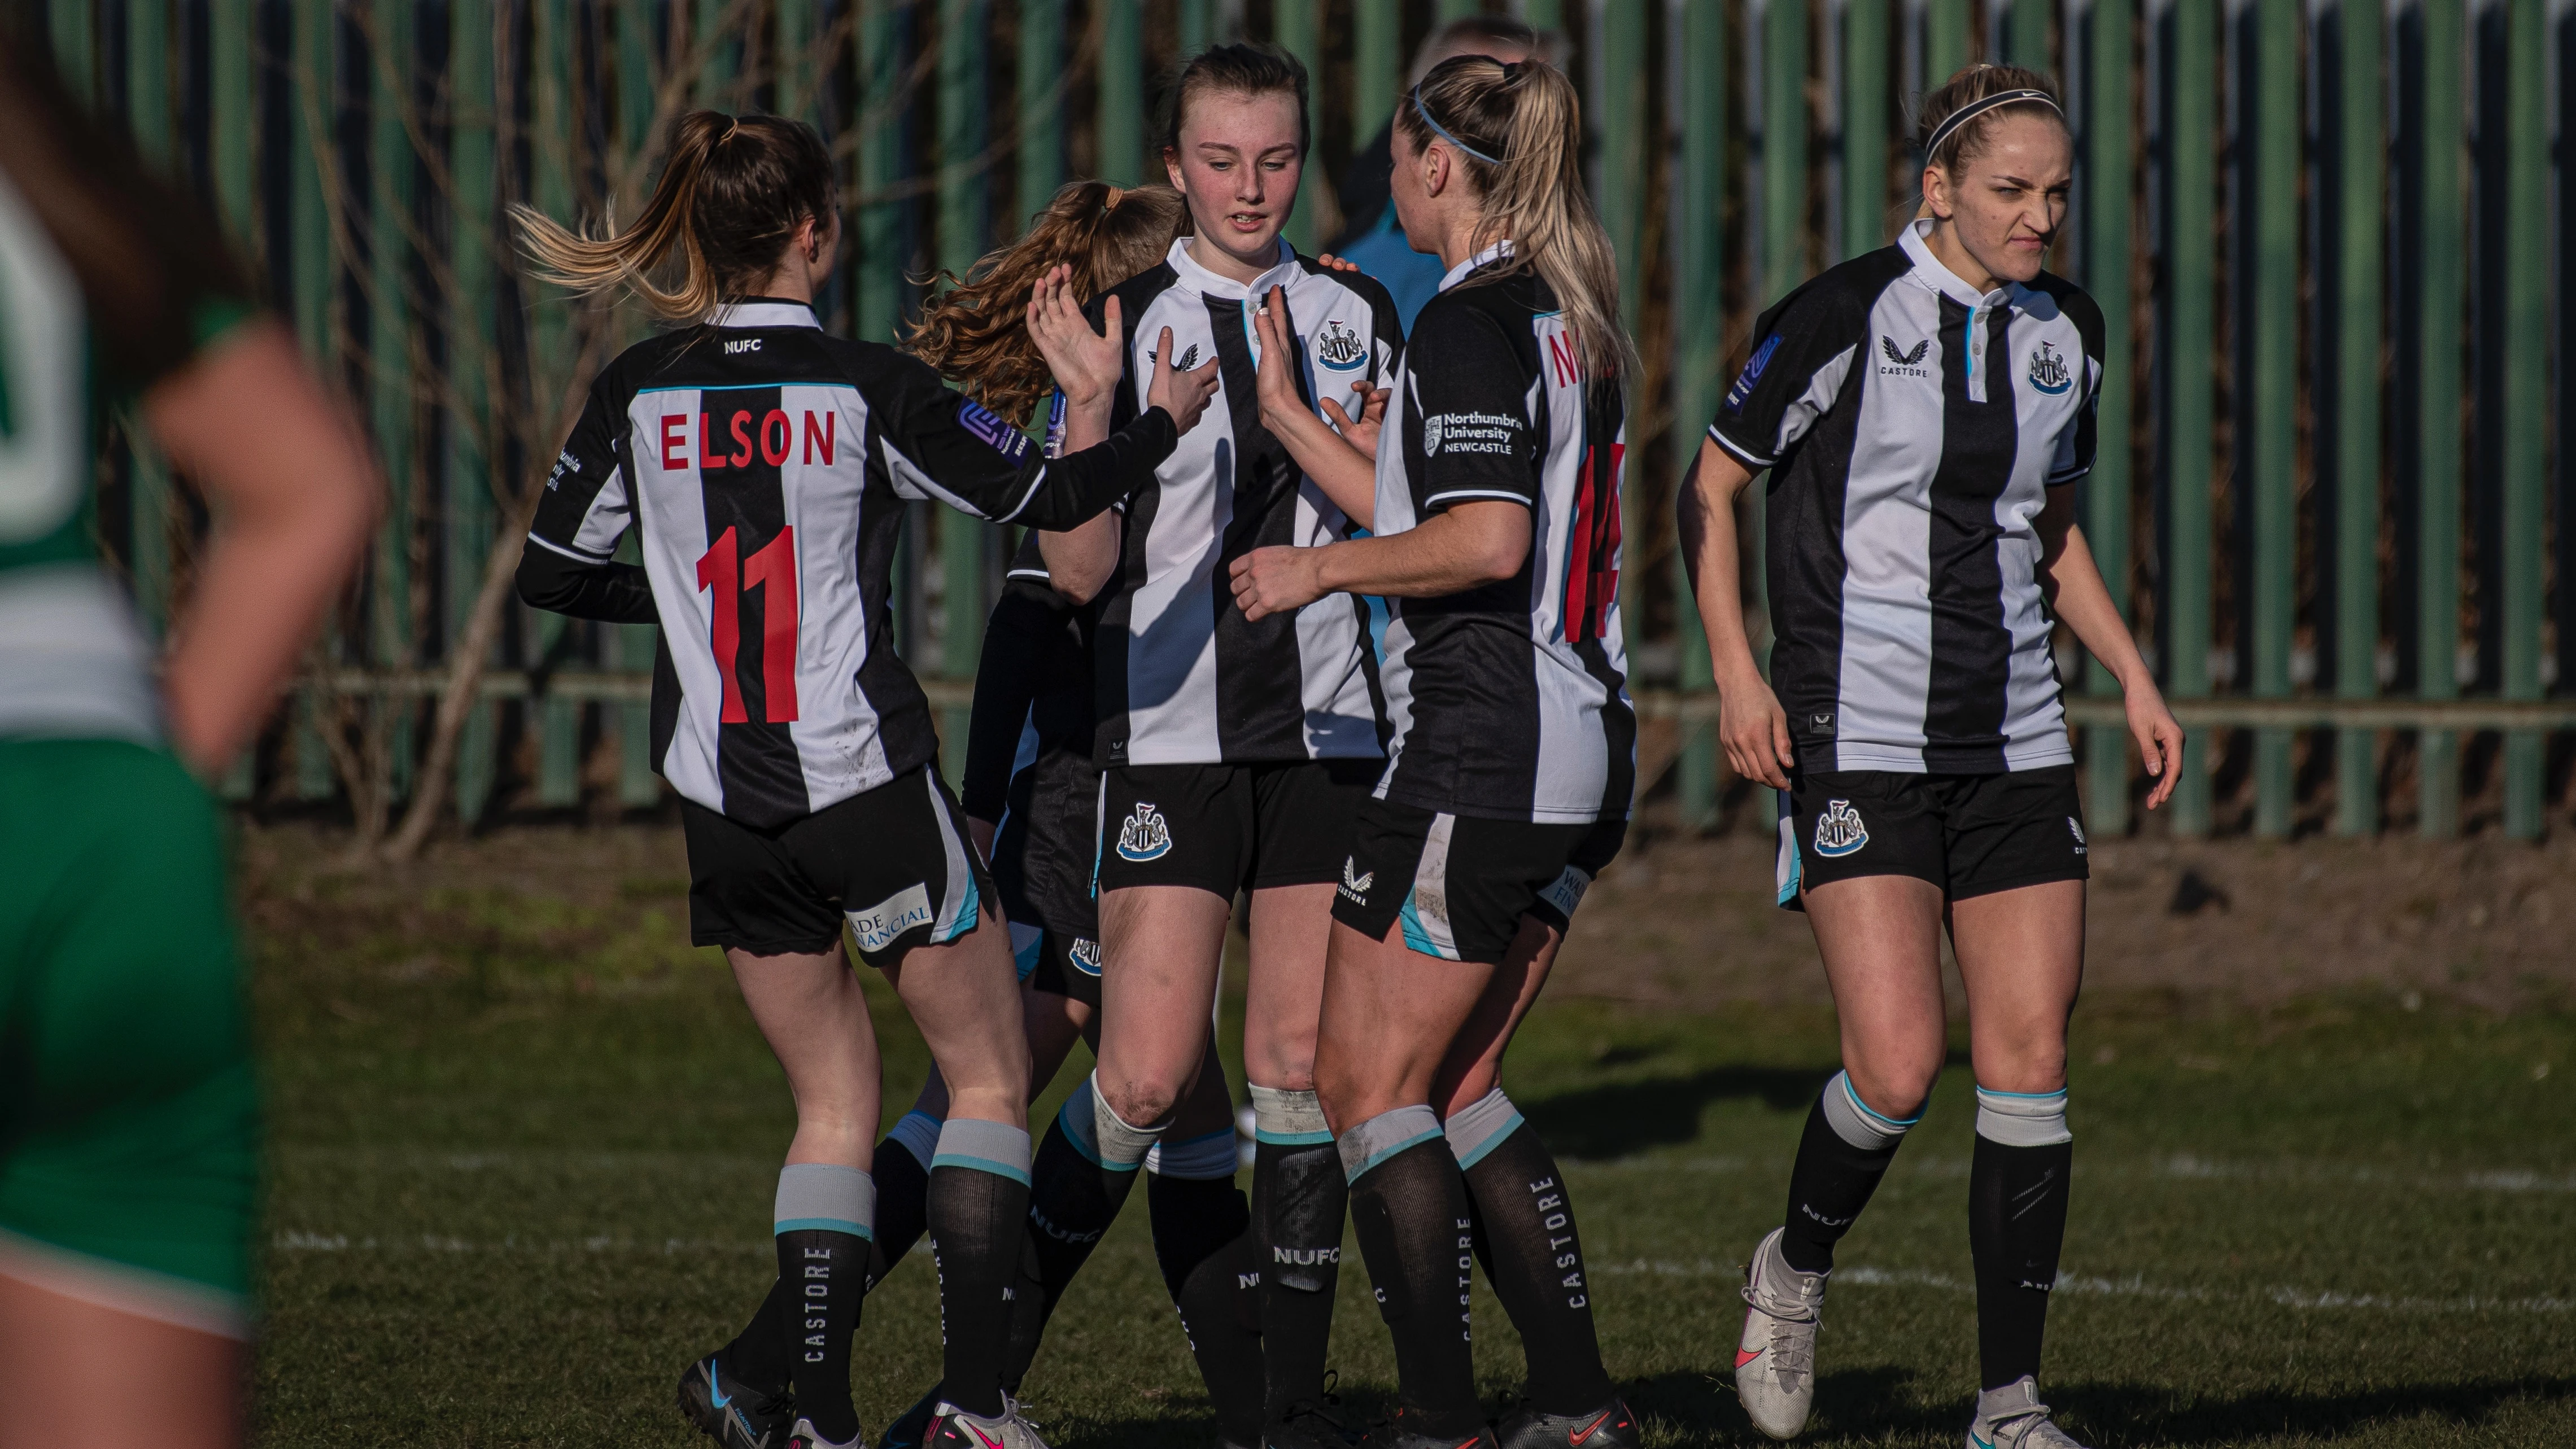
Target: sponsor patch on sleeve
point(1752, 373)
point(994, 429)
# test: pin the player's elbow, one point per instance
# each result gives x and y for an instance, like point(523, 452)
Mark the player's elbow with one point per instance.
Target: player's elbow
point(544, 581)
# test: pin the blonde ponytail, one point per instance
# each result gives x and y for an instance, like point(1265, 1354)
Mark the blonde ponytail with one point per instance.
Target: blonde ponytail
point(735, 189)
point(1521, 128)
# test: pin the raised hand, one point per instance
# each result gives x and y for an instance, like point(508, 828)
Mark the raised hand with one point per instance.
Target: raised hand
point(1276, 382)
point(1182, 394)
point(1086, 364)
point(1360, 428)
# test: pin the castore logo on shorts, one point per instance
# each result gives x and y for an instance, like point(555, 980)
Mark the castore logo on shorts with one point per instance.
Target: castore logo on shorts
point(1143, 835)
point(1355, 886)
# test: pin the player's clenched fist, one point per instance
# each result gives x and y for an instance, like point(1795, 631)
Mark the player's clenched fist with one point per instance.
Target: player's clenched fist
point(1277, 580)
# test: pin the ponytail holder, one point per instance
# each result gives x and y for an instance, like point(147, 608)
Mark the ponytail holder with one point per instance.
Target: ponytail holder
point(1512, 70)
point(1442, 131)
point(729, 131)
point(1973, 109)
point(1117, 194)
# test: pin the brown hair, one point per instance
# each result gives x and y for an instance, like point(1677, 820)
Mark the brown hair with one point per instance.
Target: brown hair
point(1970, 86)
point(976, 332)
point(1235, 70)
point(736, 188)
point(1527, 122)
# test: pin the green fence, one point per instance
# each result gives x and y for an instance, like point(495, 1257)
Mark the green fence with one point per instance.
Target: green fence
point(2328, 239)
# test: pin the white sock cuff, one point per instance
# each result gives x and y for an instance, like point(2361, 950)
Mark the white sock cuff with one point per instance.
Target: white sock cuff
point(1383, 1136)
point(1480, 1127)
point(918, 1134)
point(1284, 1118)
point(2023, 1119)
point(995, 1147)
point(825, 1197)
point(1209, 1157)
point(1854, 1122)
point(1100, 1134)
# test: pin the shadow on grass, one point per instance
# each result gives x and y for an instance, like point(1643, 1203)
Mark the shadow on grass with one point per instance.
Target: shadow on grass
point(1879, 1406)
point(1619, 1118)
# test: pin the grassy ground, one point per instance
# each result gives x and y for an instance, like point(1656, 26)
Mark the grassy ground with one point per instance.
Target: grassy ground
point(525, 1140)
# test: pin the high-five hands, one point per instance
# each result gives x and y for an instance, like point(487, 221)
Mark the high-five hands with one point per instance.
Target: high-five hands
point(1182, 394)
point(1086, 364)
point(1280, 404)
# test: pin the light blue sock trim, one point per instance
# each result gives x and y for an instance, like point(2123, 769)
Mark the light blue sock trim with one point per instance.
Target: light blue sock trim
point(1081, 1122)
point(1204, 1158)
point(1900, 1124)
point(918, 1134)
point(2059, 1094)
point(1285, 1118)
point(825, 1197)
point(1383, 1136)
point(1479, 1127)
point(2023, 1119)
point(979, 1146)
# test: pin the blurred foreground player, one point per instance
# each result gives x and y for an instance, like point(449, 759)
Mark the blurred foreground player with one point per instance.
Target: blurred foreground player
point(129, 1118)
point(767, 467)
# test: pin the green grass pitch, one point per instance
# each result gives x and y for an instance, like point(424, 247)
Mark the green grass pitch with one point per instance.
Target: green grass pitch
point(524, 1148)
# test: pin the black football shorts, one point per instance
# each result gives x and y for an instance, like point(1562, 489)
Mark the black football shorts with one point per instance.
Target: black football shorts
point(1460, 884)
point(893, 864)
point(1225, 828)
point(1970, 835)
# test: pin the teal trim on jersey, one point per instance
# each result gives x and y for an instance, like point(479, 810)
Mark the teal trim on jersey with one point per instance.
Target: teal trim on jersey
point(1383, 1153)
point(1019, 1175)
point(825, 1225)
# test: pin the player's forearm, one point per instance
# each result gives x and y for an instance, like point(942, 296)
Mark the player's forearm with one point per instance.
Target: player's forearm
point(1086, 482)
point(2083, 600)
point(1080, 560)
point(1452, 552)
point(1706, 515)
point(1347, 476)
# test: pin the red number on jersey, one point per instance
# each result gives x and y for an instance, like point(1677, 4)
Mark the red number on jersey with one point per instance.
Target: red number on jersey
point(1592, 550)
point(772, 570)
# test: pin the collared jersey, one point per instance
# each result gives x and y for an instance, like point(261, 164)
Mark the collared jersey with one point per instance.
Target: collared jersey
point(767, 465)
point(108, 284)
point(1184, 677)
point(1508, 701)
point(1913, 427)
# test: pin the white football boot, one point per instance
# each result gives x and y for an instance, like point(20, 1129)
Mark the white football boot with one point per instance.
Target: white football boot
point(953, 1428)
point(1775, 1362)
point(2012, 1417)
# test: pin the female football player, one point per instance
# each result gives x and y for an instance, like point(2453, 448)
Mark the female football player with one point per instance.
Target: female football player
point(766, 467)
point(1924, 411)
point(1496, 515)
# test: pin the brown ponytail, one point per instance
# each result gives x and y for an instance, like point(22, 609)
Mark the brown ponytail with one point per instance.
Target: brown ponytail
point(1527, 124)
point(735, 190)
point(976, 332)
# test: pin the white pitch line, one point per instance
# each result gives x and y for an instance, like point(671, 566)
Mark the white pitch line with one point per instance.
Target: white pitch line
point(2129, 1287)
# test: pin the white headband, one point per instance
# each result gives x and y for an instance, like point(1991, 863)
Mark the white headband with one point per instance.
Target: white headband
point(1973, 109)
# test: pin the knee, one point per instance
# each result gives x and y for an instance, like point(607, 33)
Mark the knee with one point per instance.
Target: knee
point(1139, 1101)
point(1895, 1088)
point(2024, 1068)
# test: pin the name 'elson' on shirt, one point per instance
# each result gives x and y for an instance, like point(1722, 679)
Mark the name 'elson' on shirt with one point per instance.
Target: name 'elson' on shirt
point(1184, 677)
point(1508, 701)
point(1914, 428)
point(767, 465)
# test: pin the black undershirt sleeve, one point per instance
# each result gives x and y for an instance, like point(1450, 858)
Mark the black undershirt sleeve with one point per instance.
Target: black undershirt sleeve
point(612, 593)
point(1023, 630)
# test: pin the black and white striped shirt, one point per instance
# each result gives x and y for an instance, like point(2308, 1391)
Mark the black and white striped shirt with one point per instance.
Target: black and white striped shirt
point(1914, 428)
point(1184, 678)
point(1508, 701)
point(767, 465)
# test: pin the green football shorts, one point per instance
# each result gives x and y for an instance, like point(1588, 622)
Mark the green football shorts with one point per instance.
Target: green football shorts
point(129, 1116)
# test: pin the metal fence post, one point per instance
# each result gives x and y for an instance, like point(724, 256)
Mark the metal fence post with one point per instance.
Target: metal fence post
point(470, 333)
point(312, 100)
point(2026, 35)
point(1041, 107)
point(1945, 40)
point(1120, 128)
point(1296, 26)
point(1699, 303)
point(558, 720)
point(229, 115)
point(720, 51)
point(2191, 252)
point(2361, 162)
point(2441, 283)
point(1619, 119)
point(2274, 314)
point(878, 267)
point(1377, 65)
point(632, 646)
point(2110, 118)
point(1865, 96)
point(389, 355)
point(68, 23)
point(2525, 424)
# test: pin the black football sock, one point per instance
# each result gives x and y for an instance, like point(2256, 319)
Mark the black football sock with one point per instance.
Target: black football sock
point(1211, 1265)
point(1300, 1199)
point(2017, 1189)
point(1409, 1209)
point(1086, 1166)
point(758, 1355)
point(823, 1221)
point(978, 1210)
point(1842, 1155)
point(903, 1192)
point(1532, 1256)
